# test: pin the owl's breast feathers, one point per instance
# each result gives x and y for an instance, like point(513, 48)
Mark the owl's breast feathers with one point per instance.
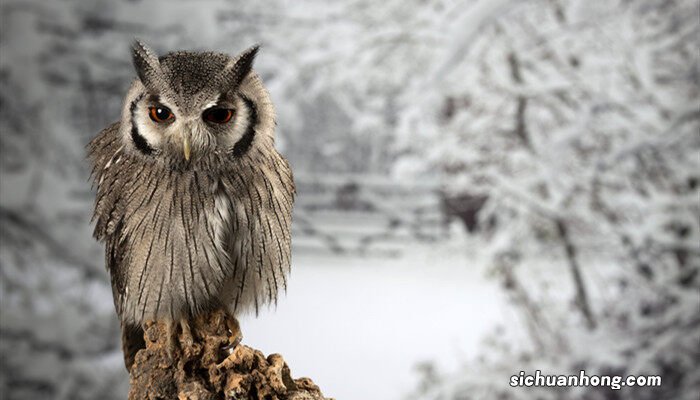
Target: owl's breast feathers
point(179, 242)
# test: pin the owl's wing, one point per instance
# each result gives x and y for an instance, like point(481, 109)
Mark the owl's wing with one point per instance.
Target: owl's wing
point(104, 152)
point(115, 251)
point(258, 237)
point(132, 334)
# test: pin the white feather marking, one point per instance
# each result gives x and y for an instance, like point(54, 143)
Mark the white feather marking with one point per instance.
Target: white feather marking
point(221, 217)
point(240, 126)
point(148, 131)
point(111, 159)
point(210, 104)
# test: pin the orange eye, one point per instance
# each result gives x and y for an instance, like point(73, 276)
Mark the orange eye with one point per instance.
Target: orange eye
point(218, 115)
point(160, 114)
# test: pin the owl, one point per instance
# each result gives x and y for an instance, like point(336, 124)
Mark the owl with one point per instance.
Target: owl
point(193, 201)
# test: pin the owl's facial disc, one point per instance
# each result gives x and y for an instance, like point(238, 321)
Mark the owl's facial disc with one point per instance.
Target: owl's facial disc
point(160, 128)
point(161, 114)
point(179, 110)
point(157, 127)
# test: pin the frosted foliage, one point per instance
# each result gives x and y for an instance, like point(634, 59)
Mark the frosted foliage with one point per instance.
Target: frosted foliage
point(580, 123)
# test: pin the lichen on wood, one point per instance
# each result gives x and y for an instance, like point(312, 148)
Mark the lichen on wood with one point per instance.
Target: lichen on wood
point(205, 366)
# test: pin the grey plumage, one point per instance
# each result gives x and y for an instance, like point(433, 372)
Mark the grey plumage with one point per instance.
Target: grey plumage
point(195, 213)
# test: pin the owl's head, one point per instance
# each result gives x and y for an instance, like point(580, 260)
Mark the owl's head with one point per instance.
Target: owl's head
point(186, 106)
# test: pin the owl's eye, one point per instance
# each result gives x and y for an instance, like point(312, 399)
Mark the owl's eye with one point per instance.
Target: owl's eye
point(160, 114)
point(218, 115)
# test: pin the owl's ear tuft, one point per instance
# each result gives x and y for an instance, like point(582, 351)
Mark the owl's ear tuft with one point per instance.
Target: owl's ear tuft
point(242, 66)
point(146, 65)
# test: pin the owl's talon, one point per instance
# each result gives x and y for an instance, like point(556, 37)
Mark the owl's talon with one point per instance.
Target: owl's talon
point(187, 337)
point(235, 330)
point(234, 337)
point(234, 341)
point(172, 346)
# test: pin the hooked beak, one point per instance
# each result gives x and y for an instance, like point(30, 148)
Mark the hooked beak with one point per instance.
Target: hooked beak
point(186, 148)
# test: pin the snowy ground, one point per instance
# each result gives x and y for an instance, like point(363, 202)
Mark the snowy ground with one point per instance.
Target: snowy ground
point(371, 320)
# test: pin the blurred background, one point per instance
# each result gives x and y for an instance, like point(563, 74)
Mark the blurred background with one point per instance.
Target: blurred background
point(484, 187)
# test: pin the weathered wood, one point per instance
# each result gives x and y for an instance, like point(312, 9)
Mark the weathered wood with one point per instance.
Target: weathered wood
point(202, 365)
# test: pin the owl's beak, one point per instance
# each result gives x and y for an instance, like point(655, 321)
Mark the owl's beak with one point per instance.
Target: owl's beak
point(186, 148)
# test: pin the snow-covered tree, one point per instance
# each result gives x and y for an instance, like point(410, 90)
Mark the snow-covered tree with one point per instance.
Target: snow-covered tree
point(579, 122)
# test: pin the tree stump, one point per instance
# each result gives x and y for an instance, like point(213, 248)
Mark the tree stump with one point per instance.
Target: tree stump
point(207, 367)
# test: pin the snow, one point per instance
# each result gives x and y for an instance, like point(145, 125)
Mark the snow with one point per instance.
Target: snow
point(359, 325)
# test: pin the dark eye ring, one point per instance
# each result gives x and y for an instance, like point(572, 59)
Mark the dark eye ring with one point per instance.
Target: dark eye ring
point(160, 114)
point(218, 115)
